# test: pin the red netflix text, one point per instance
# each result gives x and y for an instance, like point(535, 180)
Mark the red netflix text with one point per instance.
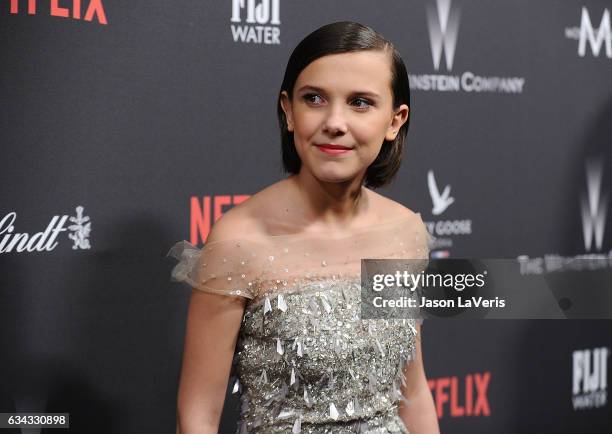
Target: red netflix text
point(62, 8)
point(207, 210)
point(462, 396)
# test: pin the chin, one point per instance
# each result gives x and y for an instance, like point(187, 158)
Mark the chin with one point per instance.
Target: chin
point(335, 176)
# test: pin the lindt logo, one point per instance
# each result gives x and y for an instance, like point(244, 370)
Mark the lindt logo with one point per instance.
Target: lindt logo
point(78, 232)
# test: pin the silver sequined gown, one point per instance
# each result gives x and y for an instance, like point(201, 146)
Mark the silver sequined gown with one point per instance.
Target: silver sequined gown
point(305, 360)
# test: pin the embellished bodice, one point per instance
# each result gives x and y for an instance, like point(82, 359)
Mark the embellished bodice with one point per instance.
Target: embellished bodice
point(305, 360)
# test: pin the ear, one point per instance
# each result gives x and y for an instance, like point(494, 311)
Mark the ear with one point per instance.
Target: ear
point(286, 106)
point(399, 118)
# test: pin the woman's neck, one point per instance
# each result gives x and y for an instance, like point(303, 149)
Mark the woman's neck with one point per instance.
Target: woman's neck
point(333, 204)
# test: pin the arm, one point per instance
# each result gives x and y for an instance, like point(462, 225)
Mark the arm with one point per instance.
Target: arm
point(213, 322)
point(419, 415)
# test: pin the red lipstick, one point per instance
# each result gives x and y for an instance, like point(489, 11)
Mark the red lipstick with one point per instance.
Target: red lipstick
point(333, 148)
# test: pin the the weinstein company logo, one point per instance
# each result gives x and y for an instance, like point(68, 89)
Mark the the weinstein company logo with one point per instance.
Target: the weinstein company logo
point(590, 378)
point(443, 20)
point(595, 37)
point(443, 23)
point(262, 21)
point(594, 206)
point(593, 212)
point(443, 229)
point(76, 9)
point(78, 232)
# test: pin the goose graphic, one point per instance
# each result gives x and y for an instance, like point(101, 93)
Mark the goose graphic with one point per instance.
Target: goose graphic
point(440, 201)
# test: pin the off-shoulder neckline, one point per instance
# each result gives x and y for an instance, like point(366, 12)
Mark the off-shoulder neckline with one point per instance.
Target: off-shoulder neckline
point(322, 234)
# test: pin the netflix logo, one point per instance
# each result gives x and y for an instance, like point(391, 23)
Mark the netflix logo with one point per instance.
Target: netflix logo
point(87, 10)
point(207, 210)
point(461, 397)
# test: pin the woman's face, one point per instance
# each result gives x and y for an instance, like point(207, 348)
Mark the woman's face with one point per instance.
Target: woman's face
point(343, 99)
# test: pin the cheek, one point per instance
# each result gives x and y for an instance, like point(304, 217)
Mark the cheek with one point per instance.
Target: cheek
point(370, 132)
point(306, 122)
point(304, 133)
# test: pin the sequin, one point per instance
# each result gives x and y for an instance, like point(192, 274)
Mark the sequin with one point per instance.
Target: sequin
point(333, 411)
point(267, 306)
point(297, 426)
point(281, 303)
point(350, 408)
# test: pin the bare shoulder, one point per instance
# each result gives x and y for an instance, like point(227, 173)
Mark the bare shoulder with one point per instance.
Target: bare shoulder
point(389, 209)
point(247, 219)
point(236, 223)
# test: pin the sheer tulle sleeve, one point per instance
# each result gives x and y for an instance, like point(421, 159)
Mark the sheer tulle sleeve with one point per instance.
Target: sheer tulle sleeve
point(418, 241)
point(227, 267)
point(281, 263)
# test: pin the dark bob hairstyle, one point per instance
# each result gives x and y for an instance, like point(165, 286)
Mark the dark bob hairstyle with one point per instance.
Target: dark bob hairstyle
point(344, 37)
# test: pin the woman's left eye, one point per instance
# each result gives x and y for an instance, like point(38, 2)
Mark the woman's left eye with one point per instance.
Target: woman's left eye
point(363, 100)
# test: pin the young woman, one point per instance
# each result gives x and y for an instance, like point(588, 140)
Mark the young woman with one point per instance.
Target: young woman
point(277, 284)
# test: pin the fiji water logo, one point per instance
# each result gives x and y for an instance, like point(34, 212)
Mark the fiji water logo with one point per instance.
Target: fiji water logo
point(256, 22)
point(76, 9)
point(47, 240)
point(590, 378)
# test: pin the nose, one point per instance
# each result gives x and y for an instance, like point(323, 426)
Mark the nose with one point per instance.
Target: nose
point(335, 122)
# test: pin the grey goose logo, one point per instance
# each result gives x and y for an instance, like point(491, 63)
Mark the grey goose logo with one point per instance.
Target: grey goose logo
point(445, 229)
point(443, 23)
point(440, 201)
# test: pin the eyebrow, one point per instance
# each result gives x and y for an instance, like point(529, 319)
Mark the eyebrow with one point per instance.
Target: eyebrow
point(357, 92)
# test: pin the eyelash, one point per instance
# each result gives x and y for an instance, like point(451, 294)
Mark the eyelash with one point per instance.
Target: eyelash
point(368, 102)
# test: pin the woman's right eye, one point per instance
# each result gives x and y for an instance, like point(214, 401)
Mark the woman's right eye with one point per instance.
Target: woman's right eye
point(309, 97)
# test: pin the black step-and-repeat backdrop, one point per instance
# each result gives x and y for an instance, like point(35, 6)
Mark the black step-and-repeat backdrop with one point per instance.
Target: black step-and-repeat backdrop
point(126, 126)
